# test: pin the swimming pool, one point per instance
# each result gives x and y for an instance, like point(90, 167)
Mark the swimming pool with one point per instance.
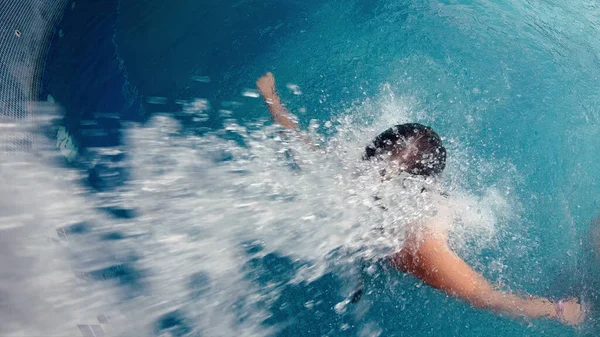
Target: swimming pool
point(183, 216)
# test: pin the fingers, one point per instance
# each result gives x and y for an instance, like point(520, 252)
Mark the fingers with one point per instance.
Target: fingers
point(267, 75)
point(266, 86)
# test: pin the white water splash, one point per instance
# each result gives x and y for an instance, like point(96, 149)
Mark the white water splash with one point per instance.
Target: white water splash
point(39, 293)
point(200, 203)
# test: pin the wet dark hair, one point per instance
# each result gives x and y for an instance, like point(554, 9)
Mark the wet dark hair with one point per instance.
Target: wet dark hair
point(425, 154)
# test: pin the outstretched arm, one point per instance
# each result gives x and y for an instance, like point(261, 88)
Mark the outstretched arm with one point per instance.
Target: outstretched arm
point(436, 264)
point(266, 87)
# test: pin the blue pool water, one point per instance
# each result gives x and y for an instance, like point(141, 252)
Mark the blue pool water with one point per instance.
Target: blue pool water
point(512, 87)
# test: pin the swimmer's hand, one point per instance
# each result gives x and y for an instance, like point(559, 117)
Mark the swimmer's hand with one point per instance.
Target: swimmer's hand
point(266, 87)
point(570, 312)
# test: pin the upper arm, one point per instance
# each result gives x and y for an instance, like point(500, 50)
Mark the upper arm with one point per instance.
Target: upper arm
point(437, 265)
point(426, 254)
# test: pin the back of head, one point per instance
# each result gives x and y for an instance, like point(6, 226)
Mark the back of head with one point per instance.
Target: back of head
point(417, 148)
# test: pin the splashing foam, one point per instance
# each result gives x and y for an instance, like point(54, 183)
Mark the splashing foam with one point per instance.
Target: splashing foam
point(39, 293)
point(203, 197)
point(203, 203)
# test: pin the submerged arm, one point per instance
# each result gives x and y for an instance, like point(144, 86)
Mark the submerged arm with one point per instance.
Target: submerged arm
point(437, 265)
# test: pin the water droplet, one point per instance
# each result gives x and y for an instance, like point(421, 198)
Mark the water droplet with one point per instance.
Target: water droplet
point(294, 88)
point(196, 106)
point(201, 79)
point(250, 93)
point(200, 119)
point(341, 307)
point(225, 113)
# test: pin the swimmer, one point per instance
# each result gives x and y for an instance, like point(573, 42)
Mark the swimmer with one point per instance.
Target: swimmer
point(418, 150)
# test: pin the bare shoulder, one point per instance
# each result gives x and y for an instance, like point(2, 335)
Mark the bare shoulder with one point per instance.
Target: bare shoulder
point(441, 222)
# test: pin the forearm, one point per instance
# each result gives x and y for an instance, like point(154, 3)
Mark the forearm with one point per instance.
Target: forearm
point(515, 305)
point(266, 87)
point(279, 113)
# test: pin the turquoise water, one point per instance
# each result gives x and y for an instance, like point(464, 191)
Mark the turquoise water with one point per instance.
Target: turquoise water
point(511, 86)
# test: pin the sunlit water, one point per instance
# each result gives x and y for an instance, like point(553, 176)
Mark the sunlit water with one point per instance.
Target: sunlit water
point(206, 220)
